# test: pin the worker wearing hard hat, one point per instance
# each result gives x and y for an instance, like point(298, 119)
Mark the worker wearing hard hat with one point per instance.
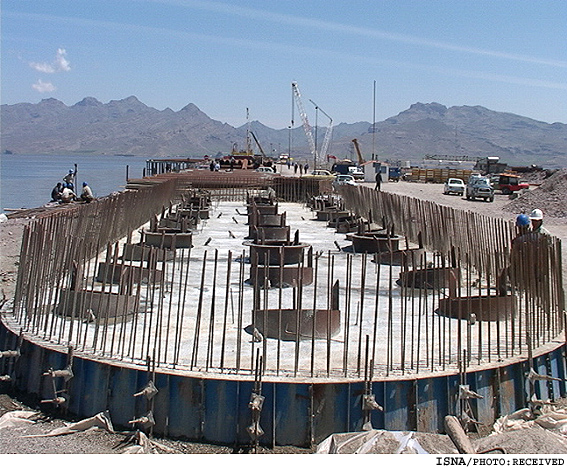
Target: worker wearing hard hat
point(87, 194)
point(522, 223)
point(536, 218)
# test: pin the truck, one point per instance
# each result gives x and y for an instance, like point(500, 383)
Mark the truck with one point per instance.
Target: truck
point(479, 187)
point(508, 183)
point(394, 174)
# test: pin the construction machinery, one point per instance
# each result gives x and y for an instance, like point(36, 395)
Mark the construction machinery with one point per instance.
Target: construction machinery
point(304, 119)
point(258, 144)
point(328, 133)
point(508, 183)
point(358, 152)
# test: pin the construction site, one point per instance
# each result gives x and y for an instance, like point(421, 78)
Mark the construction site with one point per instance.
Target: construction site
point(248, 309)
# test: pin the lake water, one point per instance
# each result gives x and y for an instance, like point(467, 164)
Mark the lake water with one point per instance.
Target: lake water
point(26, 181)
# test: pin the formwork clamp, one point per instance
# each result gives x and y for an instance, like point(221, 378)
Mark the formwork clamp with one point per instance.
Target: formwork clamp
point(57, 401)
point(369, 403)
point(256, 402)
point(533, 376)
point(66, 374)
point(465, 393)
point(6, 354)
point(467, 415)
point(149, 391)
point(145, 421)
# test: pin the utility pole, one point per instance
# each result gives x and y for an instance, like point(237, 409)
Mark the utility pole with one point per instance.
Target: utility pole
point(374, 122)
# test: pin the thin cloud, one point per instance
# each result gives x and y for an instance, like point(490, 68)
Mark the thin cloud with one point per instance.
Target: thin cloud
point(61, 61)
point(42, 67)
point(43, 87)
point(308, 23)
point(286, 48)
point(60, 64)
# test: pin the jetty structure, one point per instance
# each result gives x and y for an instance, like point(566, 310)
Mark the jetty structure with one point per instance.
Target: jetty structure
point(251, 309)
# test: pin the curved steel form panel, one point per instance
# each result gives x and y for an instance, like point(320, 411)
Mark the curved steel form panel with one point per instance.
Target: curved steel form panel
point(300, 413)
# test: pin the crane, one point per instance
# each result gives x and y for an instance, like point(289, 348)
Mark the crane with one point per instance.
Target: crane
point(303, 114)
point(258, 144)
point(358, 152)
point(327, 138)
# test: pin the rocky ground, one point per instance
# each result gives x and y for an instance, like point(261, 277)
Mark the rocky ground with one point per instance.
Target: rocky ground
point(547, 193)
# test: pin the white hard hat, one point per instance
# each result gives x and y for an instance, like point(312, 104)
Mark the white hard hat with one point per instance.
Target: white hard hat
point(536, 215)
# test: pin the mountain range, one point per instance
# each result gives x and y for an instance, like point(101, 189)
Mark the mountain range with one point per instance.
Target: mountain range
point(129, 127)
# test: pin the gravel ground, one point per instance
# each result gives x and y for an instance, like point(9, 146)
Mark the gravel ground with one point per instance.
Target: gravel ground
point(13, 439)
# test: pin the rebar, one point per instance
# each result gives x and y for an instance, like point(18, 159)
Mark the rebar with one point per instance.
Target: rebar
point(405, 329)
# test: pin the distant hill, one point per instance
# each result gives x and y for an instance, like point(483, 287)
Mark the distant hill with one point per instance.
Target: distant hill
point(129, 127)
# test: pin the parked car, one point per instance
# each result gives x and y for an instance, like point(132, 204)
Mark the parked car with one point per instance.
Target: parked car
point(454, 186)
point(394, 174)
point(356, 172)
point(320, 174)
point(341, 180)
point(266, 169)
point(480, 187)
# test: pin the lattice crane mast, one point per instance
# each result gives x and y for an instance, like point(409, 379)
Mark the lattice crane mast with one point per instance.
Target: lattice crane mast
point(303, 114)
point(328, 133)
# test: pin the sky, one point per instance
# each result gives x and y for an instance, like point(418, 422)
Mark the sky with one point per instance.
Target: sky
point(352, 60)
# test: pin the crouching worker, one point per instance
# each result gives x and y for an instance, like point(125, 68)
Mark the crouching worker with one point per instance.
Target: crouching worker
point(67, 195)
point(56, 193)
point(87, 194)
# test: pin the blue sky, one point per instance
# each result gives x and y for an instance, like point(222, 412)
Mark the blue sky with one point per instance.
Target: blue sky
point(226, 56)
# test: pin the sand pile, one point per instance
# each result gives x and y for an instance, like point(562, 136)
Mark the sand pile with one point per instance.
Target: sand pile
point(550, 197)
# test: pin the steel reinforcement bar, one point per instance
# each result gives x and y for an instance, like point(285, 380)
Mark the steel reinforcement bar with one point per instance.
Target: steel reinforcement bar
point(189, 313)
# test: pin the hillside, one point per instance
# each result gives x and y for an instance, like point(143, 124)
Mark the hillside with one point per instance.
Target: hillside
point(130, 127)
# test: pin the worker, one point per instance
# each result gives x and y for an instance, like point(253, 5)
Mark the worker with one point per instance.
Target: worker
point(87, 194)
point(518, 252)
point(378, 180)
point(536, 218)
point(67, 195)
point(56, 193)
point(522, 224)
point(69, 178)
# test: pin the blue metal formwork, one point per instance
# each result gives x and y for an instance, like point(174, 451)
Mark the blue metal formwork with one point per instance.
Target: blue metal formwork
point(378, 417)
point(121, 403)
point(483, 383)
point(292, 412)
point(30, 368)
point(331, 409)
point(557, 370)
point(432, 403)
point(510, 393)
point(542, 386)
point(399, 405)
point(181, 400)
point(89, 387)
point(221, 412)
point(356, 415)
point(244, 414)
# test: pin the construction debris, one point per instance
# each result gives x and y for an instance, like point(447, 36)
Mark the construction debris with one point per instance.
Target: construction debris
point(98, 421)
